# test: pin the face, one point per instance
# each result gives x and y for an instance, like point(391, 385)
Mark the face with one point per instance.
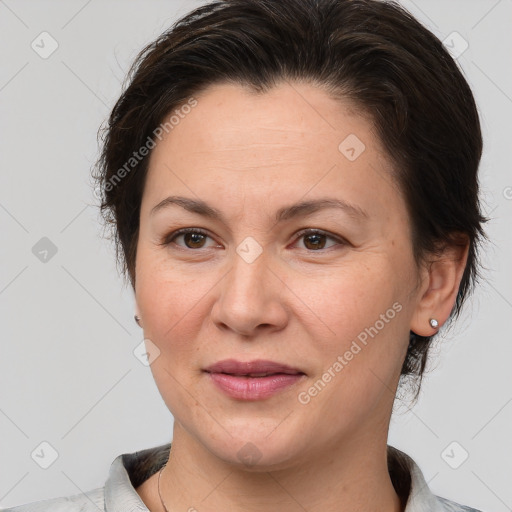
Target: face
point(298, 252)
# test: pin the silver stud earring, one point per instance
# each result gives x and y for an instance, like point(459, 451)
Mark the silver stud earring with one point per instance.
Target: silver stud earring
point(434, 323)
point(137, 319)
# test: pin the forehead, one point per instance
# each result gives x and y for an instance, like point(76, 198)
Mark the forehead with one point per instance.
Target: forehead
point(293, 138)
point(231, 117)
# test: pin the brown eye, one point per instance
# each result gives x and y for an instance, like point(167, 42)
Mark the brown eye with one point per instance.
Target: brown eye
point(316, 240)
point(192, 238)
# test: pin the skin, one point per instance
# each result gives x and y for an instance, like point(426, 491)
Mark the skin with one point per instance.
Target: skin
point(200, 302)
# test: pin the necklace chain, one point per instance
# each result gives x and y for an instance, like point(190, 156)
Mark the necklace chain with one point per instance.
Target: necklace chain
point(159, 494)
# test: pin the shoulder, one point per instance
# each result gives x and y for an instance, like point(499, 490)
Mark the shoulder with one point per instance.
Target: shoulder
point(91, 501)
point(410, 483)
point(452, 506)
point(127, 472)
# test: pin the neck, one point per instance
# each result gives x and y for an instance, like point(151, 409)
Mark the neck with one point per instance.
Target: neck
point(347, 476)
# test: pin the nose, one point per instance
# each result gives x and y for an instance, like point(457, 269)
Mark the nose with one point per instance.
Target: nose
point(251, 298)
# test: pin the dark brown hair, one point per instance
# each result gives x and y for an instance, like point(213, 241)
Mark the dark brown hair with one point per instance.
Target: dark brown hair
point(371, 52)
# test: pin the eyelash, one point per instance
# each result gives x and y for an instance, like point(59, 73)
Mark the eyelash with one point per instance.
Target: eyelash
point(167, 240)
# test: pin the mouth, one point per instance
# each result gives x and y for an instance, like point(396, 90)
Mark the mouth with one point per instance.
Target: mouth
point(256, 368)
point(252, 380)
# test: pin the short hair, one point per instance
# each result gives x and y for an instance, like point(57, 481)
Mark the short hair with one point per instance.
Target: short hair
point(371, 52)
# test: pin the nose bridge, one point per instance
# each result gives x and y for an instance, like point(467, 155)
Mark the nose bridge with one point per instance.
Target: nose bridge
point(249, 296)
point(249, 275)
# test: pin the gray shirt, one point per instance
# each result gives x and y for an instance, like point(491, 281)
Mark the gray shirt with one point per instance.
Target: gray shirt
point(129, 470)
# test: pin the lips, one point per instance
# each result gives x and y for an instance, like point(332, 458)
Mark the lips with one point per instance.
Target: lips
point(256, 368)
point(252, 380)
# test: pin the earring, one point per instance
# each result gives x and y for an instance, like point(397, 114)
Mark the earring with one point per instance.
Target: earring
point(137, 319)
point(434, 323)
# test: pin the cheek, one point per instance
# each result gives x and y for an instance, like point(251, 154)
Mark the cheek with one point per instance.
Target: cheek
point(352, 299)
point(360, 359)
point(368, 329)
point(172, 305)
point(171, 309)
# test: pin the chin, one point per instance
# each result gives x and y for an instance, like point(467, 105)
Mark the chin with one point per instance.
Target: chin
point(258, 448)
point(258, 457)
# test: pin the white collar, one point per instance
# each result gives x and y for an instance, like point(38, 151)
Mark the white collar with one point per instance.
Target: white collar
point(121, 496)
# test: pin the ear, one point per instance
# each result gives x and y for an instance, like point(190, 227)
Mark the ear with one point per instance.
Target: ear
point(137, 313)
point(441, 280)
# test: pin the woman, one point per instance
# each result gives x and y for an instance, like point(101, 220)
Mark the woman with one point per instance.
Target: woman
point(293, 190)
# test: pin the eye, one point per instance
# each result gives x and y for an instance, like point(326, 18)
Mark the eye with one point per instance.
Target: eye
point(193, 238)
point(315, 239)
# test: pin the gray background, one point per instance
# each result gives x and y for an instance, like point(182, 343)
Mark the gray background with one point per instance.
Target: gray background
point(68, 375)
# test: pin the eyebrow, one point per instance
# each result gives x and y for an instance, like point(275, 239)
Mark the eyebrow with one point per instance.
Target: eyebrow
point(288, 212)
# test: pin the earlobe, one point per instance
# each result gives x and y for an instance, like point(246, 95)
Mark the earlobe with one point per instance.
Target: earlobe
point(136, 317)
point(434, 323)
point(443, 276)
